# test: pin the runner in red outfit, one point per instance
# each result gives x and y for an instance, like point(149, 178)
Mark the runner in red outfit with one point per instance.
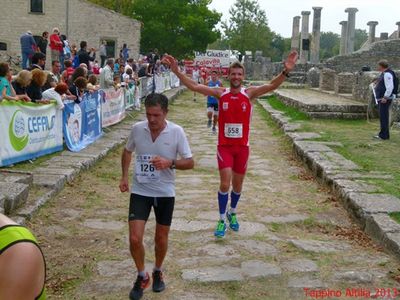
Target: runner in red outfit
point(235, 109)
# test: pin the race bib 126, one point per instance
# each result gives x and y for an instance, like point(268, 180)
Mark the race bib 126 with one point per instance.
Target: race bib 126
point(145, 171)
point(233, 130)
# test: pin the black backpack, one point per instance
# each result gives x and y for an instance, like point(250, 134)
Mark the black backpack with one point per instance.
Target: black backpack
point(395, 82)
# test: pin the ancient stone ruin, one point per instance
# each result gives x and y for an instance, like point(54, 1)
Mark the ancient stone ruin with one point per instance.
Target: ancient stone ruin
point(347, 75)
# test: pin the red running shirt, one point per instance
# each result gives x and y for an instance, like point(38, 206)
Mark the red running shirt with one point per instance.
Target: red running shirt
point(235, 112)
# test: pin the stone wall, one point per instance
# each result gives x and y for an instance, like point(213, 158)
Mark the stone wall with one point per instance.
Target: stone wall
point(85, 21)
point(389, 49)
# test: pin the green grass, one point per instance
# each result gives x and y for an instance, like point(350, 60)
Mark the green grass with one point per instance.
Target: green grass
point(290, 112)
point(355, 136)
point(395, 216)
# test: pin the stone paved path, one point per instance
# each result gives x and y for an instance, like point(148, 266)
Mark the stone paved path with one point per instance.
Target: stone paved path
point(293, 232)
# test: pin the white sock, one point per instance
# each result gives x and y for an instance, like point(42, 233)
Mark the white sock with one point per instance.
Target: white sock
point(232, 210)
point(222, 217)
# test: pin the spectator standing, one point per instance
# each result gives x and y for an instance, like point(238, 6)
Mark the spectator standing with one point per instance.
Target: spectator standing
point(386, 89)
point(107, 75)
point(38, 61)
point(85, 57)
point(43, 42)
point(103, 53)
point(67, 47)
point(28, 48)
point(56, 45)
point(125, 52)
point(196, 76)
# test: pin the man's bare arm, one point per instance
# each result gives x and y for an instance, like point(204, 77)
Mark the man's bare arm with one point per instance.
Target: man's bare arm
point(290, 63)
point(125, 163)
point(191, 84)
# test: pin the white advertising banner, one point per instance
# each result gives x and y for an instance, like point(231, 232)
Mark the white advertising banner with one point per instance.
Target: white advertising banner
point(28, 130)
point(113, 107)
point(212, 59)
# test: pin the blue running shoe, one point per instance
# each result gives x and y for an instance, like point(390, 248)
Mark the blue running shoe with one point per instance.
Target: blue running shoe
point(220, 230)
point(233, 222)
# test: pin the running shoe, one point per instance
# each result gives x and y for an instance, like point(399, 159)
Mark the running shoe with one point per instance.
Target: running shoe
point(140, 285)
point(214, 130)
point(209, 122)
point(158, 282)
point(233, 222)
point(220, 230)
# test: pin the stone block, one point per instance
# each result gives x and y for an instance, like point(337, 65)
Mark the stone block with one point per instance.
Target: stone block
point(362, 205)
point(16, 176)
point(327, 79)
point(320, 246)
point(344, 83)
point(13, 195)
point(56, 182)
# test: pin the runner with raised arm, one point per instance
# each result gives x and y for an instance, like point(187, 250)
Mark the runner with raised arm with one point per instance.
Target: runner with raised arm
point(235, 109)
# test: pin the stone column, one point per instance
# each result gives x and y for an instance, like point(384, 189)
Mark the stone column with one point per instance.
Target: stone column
point(384, 36)
point(305, 35)
point(343, 38)
point(296, 33)
point(316, 35)
point(398, 30)
point(351, 28)
point(372, 31)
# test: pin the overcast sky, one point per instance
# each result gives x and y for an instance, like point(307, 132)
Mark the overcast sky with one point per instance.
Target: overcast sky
point(280, 13)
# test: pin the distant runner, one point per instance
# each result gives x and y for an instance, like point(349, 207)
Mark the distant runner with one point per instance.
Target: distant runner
point(212, 102)
point(157, 143)
point(235, 108)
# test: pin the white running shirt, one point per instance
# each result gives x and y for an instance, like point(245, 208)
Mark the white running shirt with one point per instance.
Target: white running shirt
point(171, 143)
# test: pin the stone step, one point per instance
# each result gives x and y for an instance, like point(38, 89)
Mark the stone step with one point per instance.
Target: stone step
point(336, 115)
point(13, 195)
point(320, 105)
point(14, 189)
point(16, 176)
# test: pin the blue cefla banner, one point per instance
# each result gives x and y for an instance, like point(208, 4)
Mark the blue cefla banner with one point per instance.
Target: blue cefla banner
point(82, 122)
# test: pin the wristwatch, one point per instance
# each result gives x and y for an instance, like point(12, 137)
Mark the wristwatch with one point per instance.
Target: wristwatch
point(285, 73)
point(173, 166)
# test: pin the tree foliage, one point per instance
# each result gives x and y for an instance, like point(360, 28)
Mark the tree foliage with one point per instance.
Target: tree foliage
point(178, 27)
point(121, 6)
point(360, 37)
point(247, 29)
point(329, 44)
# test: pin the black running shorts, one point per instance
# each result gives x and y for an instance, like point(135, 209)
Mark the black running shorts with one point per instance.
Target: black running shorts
point(140, 208)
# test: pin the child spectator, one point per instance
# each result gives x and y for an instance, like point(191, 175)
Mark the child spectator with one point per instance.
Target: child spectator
point(78, 88)
point(96, 68)
point(68, 71)
point(56, 93)
point(92, 83)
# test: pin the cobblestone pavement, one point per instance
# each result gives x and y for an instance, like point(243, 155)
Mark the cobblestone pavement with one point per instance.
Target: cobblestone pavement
point(293, 233)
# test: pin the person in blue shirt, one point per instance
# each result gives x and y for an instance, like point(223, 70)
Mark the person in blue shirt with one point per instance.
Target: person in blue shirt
point(28, 48)
point(212, 102)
